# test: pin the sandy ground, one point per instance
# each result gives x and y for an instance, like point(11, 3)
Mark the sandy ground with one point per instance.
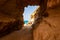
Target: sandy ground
point(24, 34)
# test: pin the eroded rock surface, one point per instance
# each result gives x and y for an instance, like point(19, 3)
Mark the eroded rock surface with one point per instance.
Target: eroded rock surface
point(10, 14)
point(49, 27)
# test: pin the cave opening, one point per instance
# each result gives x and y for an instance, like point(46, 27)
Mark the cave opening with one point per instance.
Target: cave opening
point(28, 11)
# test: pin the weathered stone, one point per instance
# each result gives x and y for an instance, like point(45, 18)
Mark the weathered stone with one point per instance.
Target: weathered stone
point(11, 12)
point(14, 9)
point(49, 27)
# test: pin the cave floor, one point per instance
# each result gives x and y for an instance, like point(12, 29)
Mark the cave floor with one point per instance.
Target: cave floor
point(24, 34)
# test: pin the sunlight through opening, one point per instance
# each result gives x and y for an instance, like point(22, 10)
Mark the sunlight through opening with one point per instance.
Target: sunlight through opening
point(27, 13)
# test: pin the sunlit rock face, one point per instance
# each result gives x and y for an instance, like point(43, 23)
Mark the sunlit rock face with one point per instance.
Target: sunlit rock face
point(34, 16)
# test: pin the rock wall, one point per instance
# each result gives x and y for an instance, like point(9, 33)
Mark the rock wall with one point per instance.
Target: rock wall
point(11, 19)
point(49, 27)
point(53, 3)
point(11, 13)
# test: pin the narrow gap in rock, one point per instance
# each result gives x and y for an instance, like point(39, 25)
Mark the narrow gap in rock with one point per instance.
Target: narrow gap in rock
point(28, 11)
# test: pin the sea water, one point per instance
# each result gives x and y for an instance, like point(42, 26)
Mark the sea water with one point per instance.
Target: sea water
point(26, 21)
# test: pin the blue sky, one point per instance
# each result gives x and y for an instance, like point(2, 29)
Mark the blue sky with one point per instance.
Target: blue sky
point(28, 11)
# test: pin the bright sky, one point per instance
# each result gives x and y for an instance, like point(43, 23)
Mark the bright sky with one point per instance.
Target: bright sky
point(28, 11)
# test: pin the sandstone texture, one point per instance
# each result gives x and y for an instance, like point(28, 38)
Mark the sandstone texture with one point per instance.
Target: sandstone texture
point(11, 19)
point(49, 27)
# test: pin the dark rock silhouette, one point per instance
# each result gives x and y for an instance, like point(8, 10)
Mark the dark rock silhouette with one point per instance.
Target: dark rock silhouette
point(9, 28)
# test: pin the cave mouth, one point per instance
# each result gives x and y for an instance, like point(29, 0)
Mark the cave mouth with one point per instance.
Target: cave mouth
point(27, 14)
